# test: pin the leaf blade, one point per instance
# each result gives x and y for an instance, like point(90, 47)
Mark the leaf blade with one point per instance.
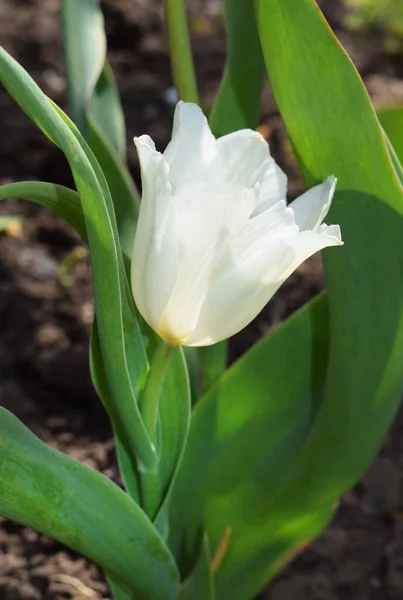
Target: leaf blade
point(61, 200)
point(120, 335)
point(237, 105)
point(73, 503)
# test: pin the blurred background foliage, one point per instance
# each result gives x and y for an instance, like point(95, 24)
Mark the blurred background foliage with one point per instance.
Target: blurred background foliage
point(382, 16)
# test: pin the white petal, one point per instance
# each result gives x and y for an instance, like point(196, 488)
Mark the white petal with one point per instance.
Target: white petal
point(244, 157)
point(239, 296)
point(192, 147)
point(312, 207)
point(241, 155)
point(263, 231)
point(273, 186)
point(259, 252)
point(206, 217)
point(155, 254)
point(241, 293)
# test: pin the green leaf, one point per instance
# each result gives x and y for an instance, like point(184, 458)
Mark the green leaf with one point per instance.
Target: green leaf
point(205, 365)
point(126, 460)
point(174, 417)
point(63, 201)
point(96, 109)
point(74, 504)
point(245, 434)
point(106, 110)
point(274, 445)
point(180, 50)
point(394, 159)
point(118, 589)
point(391, 119)
point(238, 102)
point(200, 583)
point(84, 49)
point(124, 193)
point(335, 130)
point(119, 332)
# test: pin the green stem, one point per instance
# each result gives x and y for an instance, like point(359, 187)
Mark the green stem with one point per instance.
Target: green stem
point(151, 490)
point(151, 395)
point(181, 53)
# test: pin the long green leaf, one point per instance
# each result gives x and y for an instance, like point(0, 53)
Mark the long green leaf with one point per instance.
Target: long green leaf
point(398, 165)
point(205, 366)
point(118, 589)
point(119, 332)
point(175, 400)
point(74, 504)
point(63, 201)
point(271, 448)
point(84, 48)
point(124, 194)
point(391, 119)
point(238, 102)
point(335, 130)
point(200, 583)
point(245, 434)
point(180, 50)
point(174, 417)
point(105, 107)
point(122, 411)
point(96, 108)
point(126, 459)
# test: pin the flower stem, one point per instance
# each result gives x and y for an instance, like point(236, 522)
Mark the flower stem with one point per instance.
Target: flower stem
point(151, 491)
point(181, 53)
point(152, 390)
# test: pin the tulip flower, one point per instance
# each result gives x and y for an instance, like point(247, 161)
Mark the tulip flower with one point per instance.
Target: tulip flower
point(215, 237)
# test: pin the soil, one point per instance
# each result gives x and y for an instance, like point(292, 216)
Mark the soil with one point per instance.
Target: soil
point(46, 307)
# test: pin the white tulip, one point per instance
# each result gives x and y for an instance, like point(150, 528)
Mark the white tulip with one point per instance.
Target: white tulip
point(215, 237)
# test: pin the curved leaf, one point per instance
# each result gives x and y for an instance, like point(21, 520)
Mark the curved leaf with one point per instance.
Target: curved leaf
point(174, 417)
point(245, 434)
point(84, 49)
point(391, 119)
point(119, 333)
point(126, 460)
point(275, 443)
point(200, 583)
point(238, 102)
point(74, 504)
point(63, 201)
point(96, 109)
point(180, 50)
point(335, 130)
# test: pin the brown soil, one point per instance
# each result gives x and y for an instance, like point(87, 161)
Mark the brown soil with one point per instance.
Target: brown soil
point(45, 316)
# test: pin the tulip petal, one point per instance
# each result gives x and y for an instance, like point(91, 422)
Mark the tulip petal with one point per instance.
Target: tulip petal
point(206, 218)
point(192, 147)
point(311, 208)
point(262, 231)
point(242, 292)
point(155, 254)
point(244, 157)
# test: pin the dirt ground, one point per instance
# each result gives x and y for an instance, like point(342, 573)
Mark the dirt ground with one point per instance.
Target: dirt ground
point(46, 310)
